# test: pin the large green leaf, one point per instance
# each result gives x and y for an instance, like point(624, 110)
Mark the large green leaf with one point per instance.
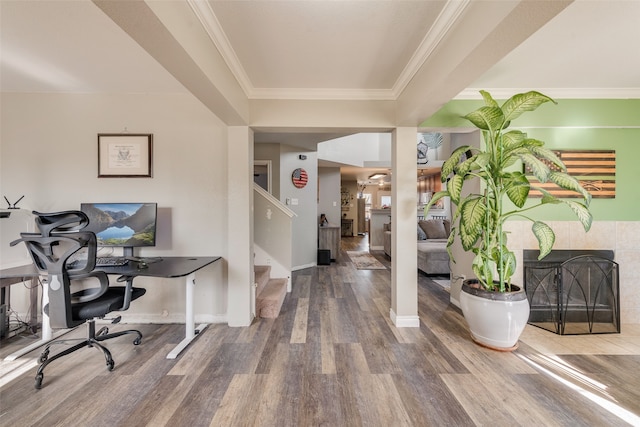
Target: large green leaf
point(546, 154)
point(546, 196)
point(454, 187)
point(473, 212)
point(451, 162)
point(486, 118)
point(512, 139)
point(568, 182)
point(464, 167)
point(582, 212)
point(517, 188)
point(488, 99)
point(472, 217)
point(482, 160)
point(537, 167)
point(546, 237)
point(519, 103)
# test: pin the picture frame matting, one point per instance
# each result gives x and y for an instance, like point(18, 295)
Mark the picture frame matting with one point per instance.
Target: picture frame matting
point(125, 155)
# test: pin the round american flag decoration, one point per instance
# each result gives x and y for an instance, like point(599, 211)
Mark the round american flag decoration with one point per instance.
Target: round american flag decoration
point(299, 178)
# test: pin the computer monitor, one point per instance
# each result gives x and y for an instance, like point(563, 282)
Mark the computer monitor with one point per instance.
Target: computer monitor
point(127, 225)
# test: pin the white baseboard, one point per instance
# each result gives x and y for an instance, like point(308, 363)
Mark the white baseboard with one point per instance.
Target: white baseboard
point(302, 267)
point(175, 318)
point(376, 248)
point(404, 321)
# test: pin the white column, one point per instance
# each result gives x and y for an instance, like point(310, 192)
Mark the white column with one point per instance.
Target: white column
point(404, 261)
point(240, 225)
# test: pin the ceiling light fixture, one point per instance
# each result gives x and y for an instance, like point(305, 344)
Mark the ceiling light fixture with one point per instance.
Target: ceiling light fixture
point(377, 176)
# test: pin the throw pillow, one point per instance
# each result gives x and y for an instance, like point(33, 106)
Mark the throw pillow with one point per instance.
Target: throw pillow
point(433, 228)
point(421, 234)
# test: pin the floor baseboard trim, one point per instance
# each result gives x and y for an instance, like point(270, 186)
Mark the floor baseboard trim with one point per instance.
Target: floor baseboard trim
point(404, 321)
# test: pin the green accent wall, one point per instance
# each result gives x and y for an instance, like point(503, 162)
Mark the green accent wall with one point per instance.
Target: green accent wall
point(606, 124)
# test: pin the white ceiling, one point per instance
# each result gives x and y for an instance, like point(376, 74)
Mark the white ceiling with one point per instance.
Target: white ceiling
point(336, 50)
point(321, 49)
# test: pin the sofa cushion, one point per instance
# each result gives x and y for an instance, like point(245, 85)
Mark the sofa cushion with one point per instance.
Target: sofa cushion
point(421, 234)
point(433, 228)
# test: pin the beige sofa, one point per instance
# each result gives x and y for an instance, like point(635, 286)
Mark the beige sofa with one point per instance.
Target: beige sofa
point(432, 245)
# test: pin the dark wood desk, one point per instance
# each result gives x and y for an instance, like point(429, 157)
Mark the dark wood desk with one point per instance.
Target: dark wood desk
point(171, 267)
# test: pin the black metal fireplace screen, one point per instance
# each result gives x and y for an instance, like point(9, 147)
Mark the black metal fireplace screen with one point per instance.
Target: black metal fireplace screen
point(573, 292)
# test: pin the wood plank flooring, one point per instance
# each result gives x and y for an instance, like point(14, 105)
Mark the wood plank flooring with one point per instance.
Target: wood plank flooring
point(333, 358)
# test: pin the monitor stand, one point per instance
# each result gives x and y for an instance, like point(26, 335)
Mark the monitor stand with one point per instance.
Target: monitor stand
point(127, 251)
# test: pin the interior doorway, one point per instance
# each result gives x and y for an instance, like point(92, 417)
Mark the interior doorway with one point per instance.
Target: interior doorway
point(262, 174)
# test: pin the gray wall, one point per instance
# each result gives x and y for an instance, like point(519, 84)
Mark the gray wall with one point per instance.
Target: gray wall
point(329, 194)
point(305, 230)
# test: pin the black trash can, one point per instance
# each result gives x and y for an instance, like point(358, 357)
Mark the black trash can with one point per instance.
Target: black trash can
point(324, 257)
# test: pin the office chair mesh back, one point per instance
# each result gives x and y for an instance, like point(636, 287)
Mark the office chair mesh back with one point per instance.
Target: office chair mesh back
point(60, 238)
point(50, 255)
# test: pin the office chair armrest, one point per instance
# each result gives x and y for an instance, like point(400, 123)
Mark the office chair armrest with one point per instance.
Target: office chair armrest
point(128, 291)
point(90, 294)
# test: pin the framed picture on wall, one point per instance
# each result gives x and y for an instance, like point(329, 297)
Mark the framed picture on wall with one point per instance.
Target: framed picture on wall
point(125, 155)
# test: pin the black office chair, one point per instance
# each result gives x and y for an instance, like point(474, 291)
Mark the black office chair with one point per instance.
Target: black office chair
point(61, 238)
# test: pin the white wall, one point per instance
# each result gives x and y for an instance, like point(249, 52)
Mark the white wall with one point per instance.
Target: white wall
point(357, 149)
point(49, 154)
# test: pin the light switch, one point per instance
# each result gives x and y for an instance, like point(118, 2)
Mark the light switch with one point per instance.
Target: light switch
point(335, 203)
point(294, 202)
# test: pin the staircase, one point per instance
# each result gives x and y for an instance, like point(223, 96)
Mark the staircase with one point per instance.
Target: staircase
point(270, 292)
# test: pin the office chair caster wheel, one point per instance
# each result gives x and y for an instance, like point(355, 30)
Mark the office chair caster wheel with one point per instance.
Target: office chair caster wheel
point(39, 379)
point(137, 341)
point(110, 365)
point(44, 356)
point(103, 331)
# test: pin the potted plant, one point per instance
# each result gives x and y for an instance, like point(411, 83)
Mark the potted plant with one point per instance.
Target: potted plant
point(480, 217)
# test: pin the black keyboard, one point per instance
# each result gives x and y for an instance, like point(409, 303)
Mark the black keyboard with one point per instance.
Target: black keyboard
point(111, 261)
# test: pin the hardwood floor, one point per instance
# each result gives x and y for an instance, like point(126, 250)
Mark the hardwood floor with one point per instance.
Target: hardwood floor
point(334, 358)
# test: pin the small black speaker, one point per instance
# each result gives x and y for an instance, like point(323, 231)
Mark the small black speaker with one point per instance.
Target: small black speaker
point(324, 257)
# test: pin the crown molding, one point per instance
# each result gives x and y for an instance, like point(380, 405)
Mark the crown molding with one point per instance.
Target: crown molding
point(211, 25)
point(324, 94)
point(557, 93)
point(441, 26)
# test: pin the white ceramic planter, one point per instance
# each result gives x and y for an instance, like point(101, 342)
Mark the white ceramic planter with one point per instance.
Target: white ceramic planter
point(495, 320)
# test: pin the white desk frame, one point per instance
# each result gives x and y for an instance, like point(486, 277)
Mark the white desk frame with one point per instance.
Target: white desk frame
point(191, 331)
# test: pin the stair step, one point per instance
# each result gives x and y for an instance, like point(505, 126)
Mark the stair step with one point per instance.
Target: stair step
point(262, 273)
point(270, 299)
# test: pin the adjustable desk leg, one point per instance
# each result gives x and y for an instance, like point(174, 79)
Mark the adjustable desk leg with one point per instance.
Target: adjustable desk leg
point(189, 321)
point(47, 332)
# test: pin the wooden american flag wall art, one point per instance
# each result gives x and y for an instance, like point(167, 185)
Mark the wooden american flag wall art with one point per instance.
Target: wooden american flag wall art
point(594, 169)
